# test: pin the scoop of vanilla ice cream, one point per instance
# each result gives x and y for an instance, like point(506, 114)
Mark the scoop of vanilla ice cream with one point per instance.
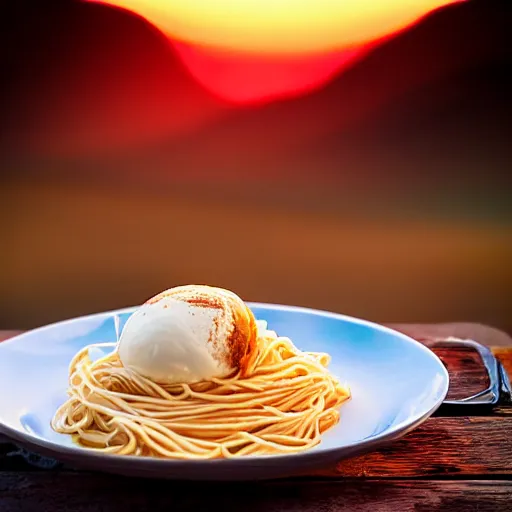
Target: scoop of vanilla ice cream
point(188, 334)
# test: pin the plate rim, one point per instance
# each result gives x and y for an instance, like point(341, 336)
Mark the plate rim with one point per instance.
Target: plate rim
point(356, 447)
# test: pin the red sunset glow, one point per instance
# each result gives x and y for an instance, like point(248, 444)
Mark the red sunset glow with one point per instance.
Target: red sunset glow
point(249, 51)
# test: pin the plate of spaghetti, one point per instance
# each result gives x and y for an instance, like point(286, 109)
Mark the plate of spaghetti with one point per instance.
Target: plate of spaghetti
point(197, 384)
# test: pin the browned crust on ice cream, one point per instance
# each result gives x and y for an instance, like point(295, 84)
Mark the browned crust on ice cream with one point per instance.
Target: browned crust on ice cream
point(235, 351)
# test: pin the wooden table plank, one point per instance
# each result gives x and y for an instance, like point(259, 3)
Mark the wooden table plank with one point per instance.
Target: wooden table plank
point(5, 335)
point(467, 373)
point(465, 446)
point(505, 356)
point(441, 447)
point(484, 334)
point(33, 492)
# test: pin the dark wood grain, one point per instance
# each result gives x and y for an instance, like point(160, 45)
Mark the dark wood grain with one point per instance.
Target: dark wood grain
point(441, 447)
point(484, 334)
point(505, 356)
point(33, 492)
point(464, 446)
point(467, 373)
point(5, 335)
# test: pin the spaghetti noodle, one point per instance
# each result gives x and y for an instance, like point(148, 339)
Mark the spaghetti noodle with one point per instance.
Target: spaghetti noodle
point(283, 403)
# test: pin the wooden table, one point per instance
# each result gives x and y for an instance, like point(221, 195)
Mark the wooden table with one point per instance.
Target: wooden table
point(458, 460)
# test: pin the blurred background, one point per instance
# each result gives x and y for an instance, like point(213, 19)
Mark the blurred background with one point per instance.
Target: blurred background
point(384, 193)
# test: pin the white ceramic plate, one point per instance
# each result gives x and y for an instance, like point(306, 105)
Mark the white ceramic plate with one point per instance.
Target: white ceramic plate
point(396, 384)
